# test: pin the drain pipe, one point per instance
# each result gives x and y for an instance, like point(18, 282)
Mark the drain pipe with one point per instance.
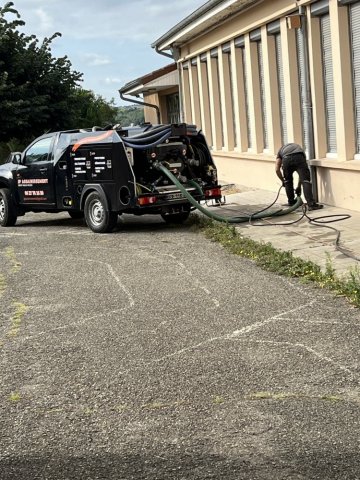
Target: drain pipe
point(142, 103)
point(176, 56)
point(308, 100)
point(161, 52)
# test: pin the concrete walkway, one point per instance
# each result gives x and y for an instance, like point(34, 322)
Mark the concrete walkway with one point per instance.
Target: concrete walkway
point(305, 239)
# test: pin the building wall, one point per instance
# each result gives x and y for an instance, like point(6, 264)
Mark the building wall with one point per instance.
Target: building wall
point(150, 113)
point(159, 99)
point(244, 84)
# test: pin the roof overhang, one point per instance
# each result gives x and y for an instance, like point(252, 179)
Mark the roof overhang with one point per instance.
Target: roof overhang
point(158, 80)
point(202, 20)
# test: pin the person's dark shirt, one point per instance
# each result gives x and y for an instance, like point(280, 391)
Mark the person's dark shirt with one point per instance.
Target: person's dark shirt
point(289, 149)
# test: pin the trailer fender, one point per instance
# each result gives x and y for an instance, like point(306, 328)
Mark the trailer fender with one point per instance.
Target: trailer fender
point(93, 187)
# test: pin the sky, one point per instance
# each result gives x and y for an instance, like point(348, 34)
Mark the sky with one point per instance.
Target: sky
point(109, 41)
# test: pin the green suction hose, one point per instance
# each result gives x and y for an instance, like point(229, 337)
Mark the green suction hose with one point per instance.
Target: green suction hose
point(219, 218)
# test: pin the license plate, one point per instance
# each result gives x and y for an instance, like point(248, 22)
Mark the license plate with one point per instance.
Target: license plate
point(173, 196)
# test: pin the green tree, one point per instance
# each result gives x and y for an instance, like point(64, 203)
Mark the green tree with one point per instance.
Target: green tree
point(90, 109)
point(35, 88)
point(130, 114)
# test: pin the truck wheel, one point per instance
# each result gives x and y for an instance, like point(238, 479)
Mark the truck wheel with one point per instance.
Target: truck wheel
point(8, 214)
point(176, 218)
point(76, 214)
point(97, 217)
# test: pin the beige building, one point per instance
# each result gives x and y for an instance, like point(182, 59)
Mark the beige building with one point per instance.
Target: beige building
point(255, 74)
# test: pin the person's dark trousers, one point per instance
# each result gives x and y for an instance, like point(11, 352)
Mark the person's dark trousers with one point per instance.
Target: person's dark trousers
point(297, 163)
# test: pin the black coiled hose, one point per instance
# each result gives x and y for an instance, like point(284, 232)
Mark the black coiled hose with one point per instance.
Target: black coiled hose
point(155, 140)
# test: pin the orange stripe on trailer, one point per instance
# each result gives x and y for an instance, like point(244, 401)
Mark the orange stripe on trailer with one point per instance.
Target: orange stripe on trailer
point(93, 139)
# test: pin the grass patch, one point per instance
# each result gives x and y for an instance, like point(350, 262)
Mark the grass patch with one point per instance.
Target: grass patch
point(10, 254)
point(20, 310)
point(2, 284)
point(15, 397)
point(287, 396)
point(331, 398)
point(218, 400)
point(283, 262)
point(158, 405)
point(270, 395)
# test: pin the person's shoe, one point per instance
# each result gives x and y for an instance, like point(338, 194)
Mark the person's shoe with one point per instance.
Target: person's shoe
point(315, 206)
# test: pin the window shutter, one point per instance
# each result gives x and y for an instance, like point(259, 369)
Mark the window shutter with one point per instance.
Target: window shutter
point(302, 82)
point(262, 92)
point(280, 74)
point(328, 82)
point(354, 11)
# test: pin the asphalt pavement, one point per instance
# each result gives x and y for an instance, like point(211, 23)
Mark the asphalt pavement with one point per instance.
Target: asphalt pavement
point(152, 353)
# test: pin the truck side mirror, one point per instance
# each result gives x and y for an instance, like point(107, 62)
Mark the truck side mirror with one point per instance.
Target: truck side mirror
point(16, 158)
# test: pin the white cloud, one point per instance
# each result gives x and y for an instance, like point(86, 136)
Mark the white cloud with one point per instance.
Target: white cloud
point(111, 80)
point(136, 20)
point(46, 22)
point(105, 40)
point(95, 60)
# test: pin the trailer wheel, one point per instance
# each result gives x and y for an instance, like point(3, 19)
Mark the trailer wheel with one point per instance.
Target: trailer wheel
point(176, 218)
point(97, 217)
point(8, 213)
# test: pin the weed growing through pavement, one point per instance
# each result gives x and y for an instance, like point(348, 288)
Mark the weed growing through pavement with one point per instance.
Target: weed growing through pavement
point(15, 397)
point(218, 400)
point(283, 262)
point(290, 396)
point(2, 284)
point(10, 254)
point(20, 310)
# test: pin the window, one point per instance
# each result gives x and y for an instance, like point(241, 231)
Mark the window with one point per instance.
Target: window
point(328, 82)
point(262, 92)
point(240, 44)
point(280, 74)
point(305, 112)
point(173, 108)
point(219, 107)
point(39, 152)
point(320, 9)
point(229, 86)
point(354, 14)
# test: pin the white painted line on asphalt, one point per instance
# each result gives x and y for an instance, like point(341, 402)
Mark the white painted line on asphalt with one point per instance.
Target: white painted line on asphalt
point(86, 319)
point(110, 269)
point(73, 324)
point(197, 282)
point(13, 234)
point(325, 322)
point(310, 350)
point(117, 279)
point(233, 335)
point(257, 325)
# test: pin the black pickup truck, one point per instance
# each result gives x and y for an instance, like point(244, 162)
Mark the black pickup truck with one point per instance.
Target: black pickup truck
point(100, 173)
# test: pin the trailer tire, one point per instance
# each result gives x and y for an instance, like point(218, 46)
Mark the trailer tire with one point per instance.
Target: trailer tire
point(8, 212)
point(176, 218)
point(98, 218)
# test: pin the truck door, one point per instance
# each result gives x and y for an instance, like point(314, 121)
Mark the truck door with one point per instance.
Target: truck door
point(35, 175)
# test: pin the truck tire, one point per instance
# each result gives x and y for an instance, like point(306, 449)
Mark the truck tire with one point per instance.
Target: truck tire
point(176, 218)
point(97, 217)
point(8, 214)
